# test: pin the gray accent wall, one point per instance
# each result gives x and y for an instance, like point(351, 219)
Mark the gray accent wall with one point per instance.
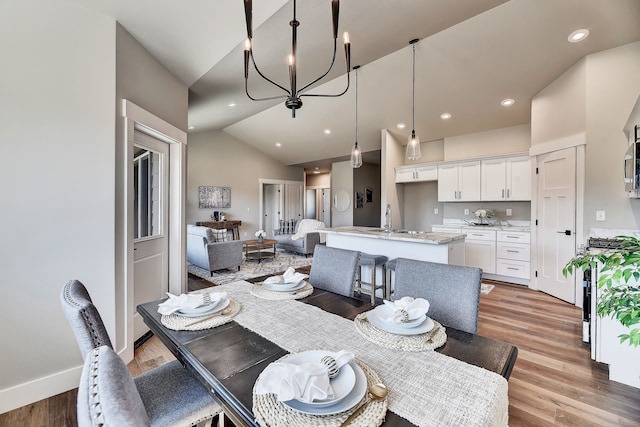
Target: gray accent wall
point(367, 176)
point(215, 158)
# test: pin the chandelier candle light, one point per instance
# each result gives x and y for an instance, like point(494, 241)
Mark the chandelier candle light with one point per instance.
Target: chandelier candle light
point(293, 94)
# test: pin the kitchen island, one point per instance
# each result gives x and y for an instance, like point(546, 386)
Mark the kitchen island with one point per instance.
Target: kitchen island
point(444, 248)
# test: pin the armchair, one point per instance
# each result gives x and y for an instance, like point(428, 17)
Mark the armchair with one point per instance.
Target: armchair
point(205, 252)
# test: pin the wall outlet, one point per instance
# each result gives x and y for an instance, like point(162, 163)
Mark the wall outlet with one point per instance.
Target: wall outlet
point(466, 211)
point(509, 212)
point(435, 211)
point(600, 216)
point(245, 234)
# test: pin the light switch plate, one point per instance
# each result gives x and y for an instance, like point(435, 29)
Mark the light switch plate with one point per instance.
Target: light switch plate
point(509, 212)
point(466, 211)
point(600, 216)
point(435, 211)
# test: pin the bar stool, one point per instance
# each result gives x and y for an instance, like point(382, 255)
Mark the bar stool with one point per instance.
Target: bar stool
point(373, 261)
point(390, 266)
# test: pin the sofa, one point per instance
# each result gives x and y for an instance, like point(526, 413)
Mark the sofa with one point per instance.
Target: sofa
point(212, 249)
point(299, 236)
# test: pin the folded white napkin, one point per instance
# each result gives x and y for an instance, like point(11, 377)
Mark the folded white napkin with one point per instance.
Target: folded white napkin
point(289, 276)
point(306, 382)
point(188, 301)
point(416, 307)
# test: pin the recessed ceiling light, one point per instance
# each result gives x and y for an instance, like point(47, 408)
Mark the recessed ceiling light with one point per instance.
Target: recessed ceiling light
point(327, 131)
point(278, 144)
point(316, 171)
point(231, 105)
point(578, 35)
point(445, 116)
point(401, 126)
point(507, 102)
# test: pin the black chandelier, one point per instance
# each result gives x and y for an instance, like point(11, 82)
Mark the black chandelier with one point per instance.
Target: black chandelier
point(293, 94)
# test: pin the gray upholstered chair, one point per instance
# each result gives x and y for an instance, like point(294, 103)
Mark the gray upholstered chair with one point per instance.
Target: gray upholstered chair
point(167, 385)
point(453, 291)
point(205, 252)
point(84, 318)
point(334, 269)
point(108, 395)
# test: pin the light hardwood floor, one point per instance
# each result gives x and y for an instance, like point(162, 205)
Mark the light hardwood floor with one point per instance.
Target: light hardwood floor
point(554, 382)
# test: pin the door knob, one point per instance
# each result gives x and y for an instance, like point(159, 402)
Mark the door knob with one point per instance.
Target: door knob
point(567, 232)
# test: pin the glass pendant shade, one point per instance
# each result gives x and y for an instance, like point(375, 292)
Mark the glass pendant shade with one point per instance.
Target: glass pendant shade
point(413, 147)
point(356, 156)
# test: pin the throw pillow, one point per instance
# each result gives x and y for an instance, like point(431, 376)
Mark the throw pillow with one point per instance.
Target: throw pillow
point(220, 235)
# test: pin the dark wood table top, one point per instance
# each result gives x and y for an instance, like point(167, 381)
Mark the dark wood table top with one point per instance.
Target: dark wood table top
point(228, 359)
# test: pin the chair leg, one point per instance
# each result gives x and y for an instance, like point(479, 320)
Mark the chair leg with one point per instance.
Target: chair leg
point(373, 284)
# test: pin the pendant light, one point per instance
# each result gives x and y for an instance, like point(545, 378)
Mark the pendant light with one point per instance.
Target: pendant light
point(356, 153)
point(413, 145)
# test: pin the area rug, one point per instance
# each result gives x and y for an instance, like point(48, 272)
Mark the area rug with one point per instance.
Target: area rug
point(486, 288)
point(251, 269)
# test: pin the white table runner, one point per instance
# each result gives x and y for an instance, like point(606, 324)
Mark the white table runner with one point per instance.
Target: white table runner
point(426, 388)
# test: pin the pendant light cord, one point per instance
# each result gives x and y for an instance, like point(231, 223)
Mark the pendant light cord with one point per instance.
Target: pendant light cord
point(413, 93)
point(357, 105)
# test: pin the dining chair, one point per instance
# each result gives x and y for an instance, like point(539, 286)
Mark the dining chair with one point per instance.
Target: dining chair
point(167, 385)
point(109, 396)
point(84, 318)
point(334, 269)
point(453, 291)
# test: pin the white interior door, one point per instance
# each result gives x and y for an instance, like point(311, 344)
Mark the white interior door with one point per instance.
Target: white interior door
point(293, 200)
point(270, 207)
point(326, 207)
point(556, 214)
point(151, 223)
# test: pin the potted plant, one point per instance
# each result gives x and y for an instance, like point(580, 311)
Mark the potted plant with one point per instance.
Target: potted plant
point(261, 234)
point(619, 282)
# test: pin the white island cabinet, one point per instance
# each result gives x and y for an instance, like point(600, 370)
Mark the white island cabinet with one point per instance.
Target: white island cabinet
point(444, 248)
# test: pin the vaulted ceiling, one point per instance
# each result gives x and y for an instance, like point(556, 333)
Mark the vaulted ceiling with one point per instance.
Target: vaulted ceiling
point(471, 55)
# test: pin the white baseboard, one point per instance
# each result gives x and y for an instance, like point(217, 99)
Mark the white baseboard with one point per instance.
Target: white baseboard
point(41, 388)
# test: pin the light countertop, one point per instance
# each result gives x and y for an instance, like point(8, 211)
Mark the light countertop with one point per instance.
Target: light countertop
point(432, 238)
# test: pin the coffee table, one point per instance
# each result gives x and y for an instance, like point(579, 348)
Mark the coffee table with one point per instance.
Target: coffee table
point(254, 250)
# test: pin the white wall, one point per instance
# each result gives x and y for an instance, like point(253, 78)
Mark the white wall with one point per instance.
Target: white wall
point(595, 97)
point(216, 158)
point(489, 143)
point(57, 171)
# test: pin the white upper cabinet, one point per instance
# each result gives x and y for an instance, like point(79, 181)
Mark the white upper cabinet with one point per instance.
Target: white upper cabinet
point(459, 182)
point(416, 173)
point(506, 179)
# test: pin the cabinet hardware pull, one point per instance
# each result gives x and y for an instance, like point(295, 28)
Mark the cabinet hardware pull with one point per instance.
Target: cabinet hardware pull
point(512, 268)
point(508, 193)
point(503, 193)
point(513, 252)
point(512, 237)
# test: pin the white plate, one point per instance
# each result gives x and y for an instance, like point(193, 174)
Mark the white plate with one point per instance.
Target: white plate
point(384, 312)
point(423, 328)
point(221, 305)
point(342, 384)
point(349, 401)
point(284, 287)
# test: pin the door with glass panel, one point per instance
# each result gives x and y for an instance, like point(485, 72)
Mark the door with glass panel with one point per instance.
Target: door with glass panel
point(151, 219)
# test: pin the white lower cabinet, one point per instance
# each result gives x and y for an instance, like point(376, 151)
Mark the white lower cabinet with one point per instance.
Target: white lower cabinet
point(514, 254)
point(480, 249)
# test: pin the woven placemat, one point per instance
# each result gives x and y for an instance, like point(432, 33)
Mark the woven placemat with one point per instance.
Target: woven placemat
point(264, 293)
point(423, 342)
point(272, 413)
point(181, 323)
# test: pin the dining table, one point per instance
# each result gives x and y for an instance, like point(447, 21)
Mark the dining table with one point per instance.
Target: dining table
point(462, 381)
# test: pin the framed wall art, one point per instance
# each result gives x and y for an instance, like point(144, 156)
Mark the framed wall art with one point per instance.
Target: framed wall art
point(368, 194)
point(214, 197)
point(359, 200)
